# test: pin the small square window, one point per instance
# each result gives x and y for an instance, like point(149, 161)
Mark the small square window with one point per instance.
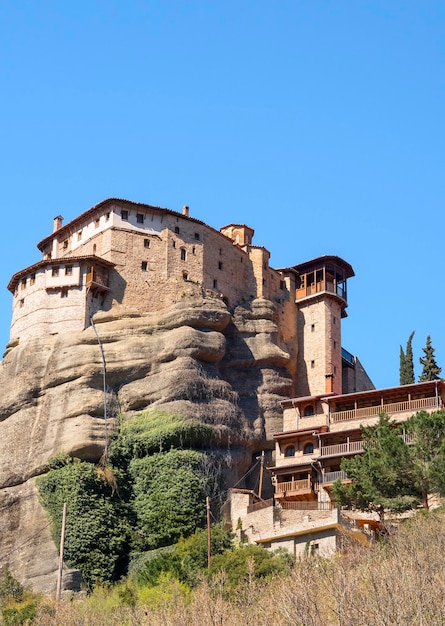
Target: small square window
point(146, 243)
point(220, 265)
point(140, 218)
point(197, 236)
point(124, 215)
point(144, 266)
point(69, 270)
point(65, 244)
point(185, 275)
point(55, 270)
point(64, 292)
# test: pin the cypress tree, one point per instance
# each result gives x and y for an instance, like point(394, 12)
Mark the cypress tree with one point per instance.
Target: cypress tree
point(430, 369)
point(407, 363)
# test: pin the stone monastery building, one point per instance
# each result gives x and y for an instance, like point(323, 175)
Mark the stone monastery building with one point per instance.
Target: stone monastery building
point(145, 257)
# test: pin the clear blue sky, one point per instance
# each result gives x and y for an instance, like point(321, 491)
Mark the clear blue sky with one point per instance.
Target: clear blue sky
point(318, 123)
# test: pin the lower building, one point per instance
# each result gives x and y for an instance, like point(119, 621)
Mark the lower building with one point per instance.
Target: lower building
point(318, 433)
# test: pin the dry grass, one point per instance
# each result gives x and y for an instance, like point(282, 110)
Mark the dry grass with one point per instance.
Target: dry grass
point(398, 583)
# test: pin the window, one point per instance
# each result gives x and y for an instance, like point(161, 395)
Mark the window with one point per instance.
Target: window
point(312, 363)
point(177, 230)
point(197, 236)
point(144, 266)
point(193, 250)
point(174, 243)
point(69, 270)
point(64, 292)
point(107, 216)
point(315, 549)
point(140, 218)
point(79, 235)
point(335, 345)
point(308, 410)
point(32, 279)
point(215, 284)
point(65, 244)
point(55, 270)
point(220, 265)
point(312, 328)
point(183, 254)
point(21, 302)
point(23, 284)
point(124, 215)
point(290, 451)
point(308, 448)
point(282, 284)
point(97, 222)
point(185, 275)
point(146, 243)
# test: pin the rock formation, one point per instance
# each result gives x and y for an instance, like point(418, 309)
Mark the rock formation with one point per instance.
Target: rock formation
point(196, 359)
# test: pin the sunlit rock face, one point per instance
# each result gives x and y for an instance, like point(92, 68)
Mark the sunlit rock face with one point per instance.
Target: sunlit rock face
point(196, 359)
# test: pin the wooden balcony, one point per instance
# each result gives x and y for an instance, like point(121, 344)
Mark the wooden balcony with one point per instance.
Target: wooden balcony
point(330, 477)
point(342, 449)
point(97, 281)
point(296, 489)
point(406, 406)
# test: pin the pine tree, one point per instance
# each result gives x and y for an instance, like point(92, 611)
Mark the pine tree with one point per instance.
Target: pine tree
point(430, 369)
point(407, 363)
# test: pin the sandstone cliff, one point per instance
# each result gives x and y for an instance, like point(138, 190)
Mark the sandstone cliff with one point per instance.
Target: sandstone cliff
point(195, 359)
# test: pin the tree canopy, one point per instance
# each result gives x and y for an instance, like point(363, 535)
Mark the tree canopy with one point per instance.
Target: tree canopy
point(407, 362)
point(430, 369)
point(396, 472)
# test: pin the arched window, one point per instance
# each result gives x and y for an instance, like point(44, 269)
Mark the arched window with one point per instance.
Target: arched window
point(290, 451)
point(308, 410)
point(308, 448)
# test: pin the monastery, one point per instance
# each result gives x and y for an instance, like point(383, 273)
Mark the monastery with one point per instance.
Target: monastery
point(143, 258)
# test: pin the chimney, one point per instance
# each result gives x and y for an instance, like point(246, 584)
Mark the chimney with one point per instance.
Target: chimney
point(57, 223)
point(185, 211)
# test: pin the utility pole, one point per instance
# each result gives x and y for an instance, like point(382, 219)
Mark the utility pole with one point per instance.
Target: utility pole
point(62, 545)
point(208, 531)
point(260, 489)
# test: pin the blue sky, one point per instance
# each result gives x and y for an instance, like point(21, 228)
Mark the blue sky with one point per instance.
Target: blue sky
point(318, 123)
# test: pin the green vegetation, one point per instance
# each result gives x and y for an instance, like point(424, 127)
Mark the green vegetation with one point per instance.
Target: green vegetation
point(381, 476)
point(151, 493)
point(430, 369)
point(397, 581)
point(407, 362)
point(392, 475)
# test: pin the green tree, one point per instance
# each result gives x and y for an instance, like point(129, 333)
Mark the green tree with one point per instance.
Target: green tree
point(407, 362)
point(96, 524)
point(430, 369)
point(382, 476)
point(169, 495)
point(427, 452)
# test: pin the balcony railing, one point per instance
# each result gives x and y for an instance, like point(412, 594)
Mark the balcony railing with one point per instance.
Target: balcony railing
point(293, 485)
point(340, 449)
point(331, 477)
point(374, 411)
